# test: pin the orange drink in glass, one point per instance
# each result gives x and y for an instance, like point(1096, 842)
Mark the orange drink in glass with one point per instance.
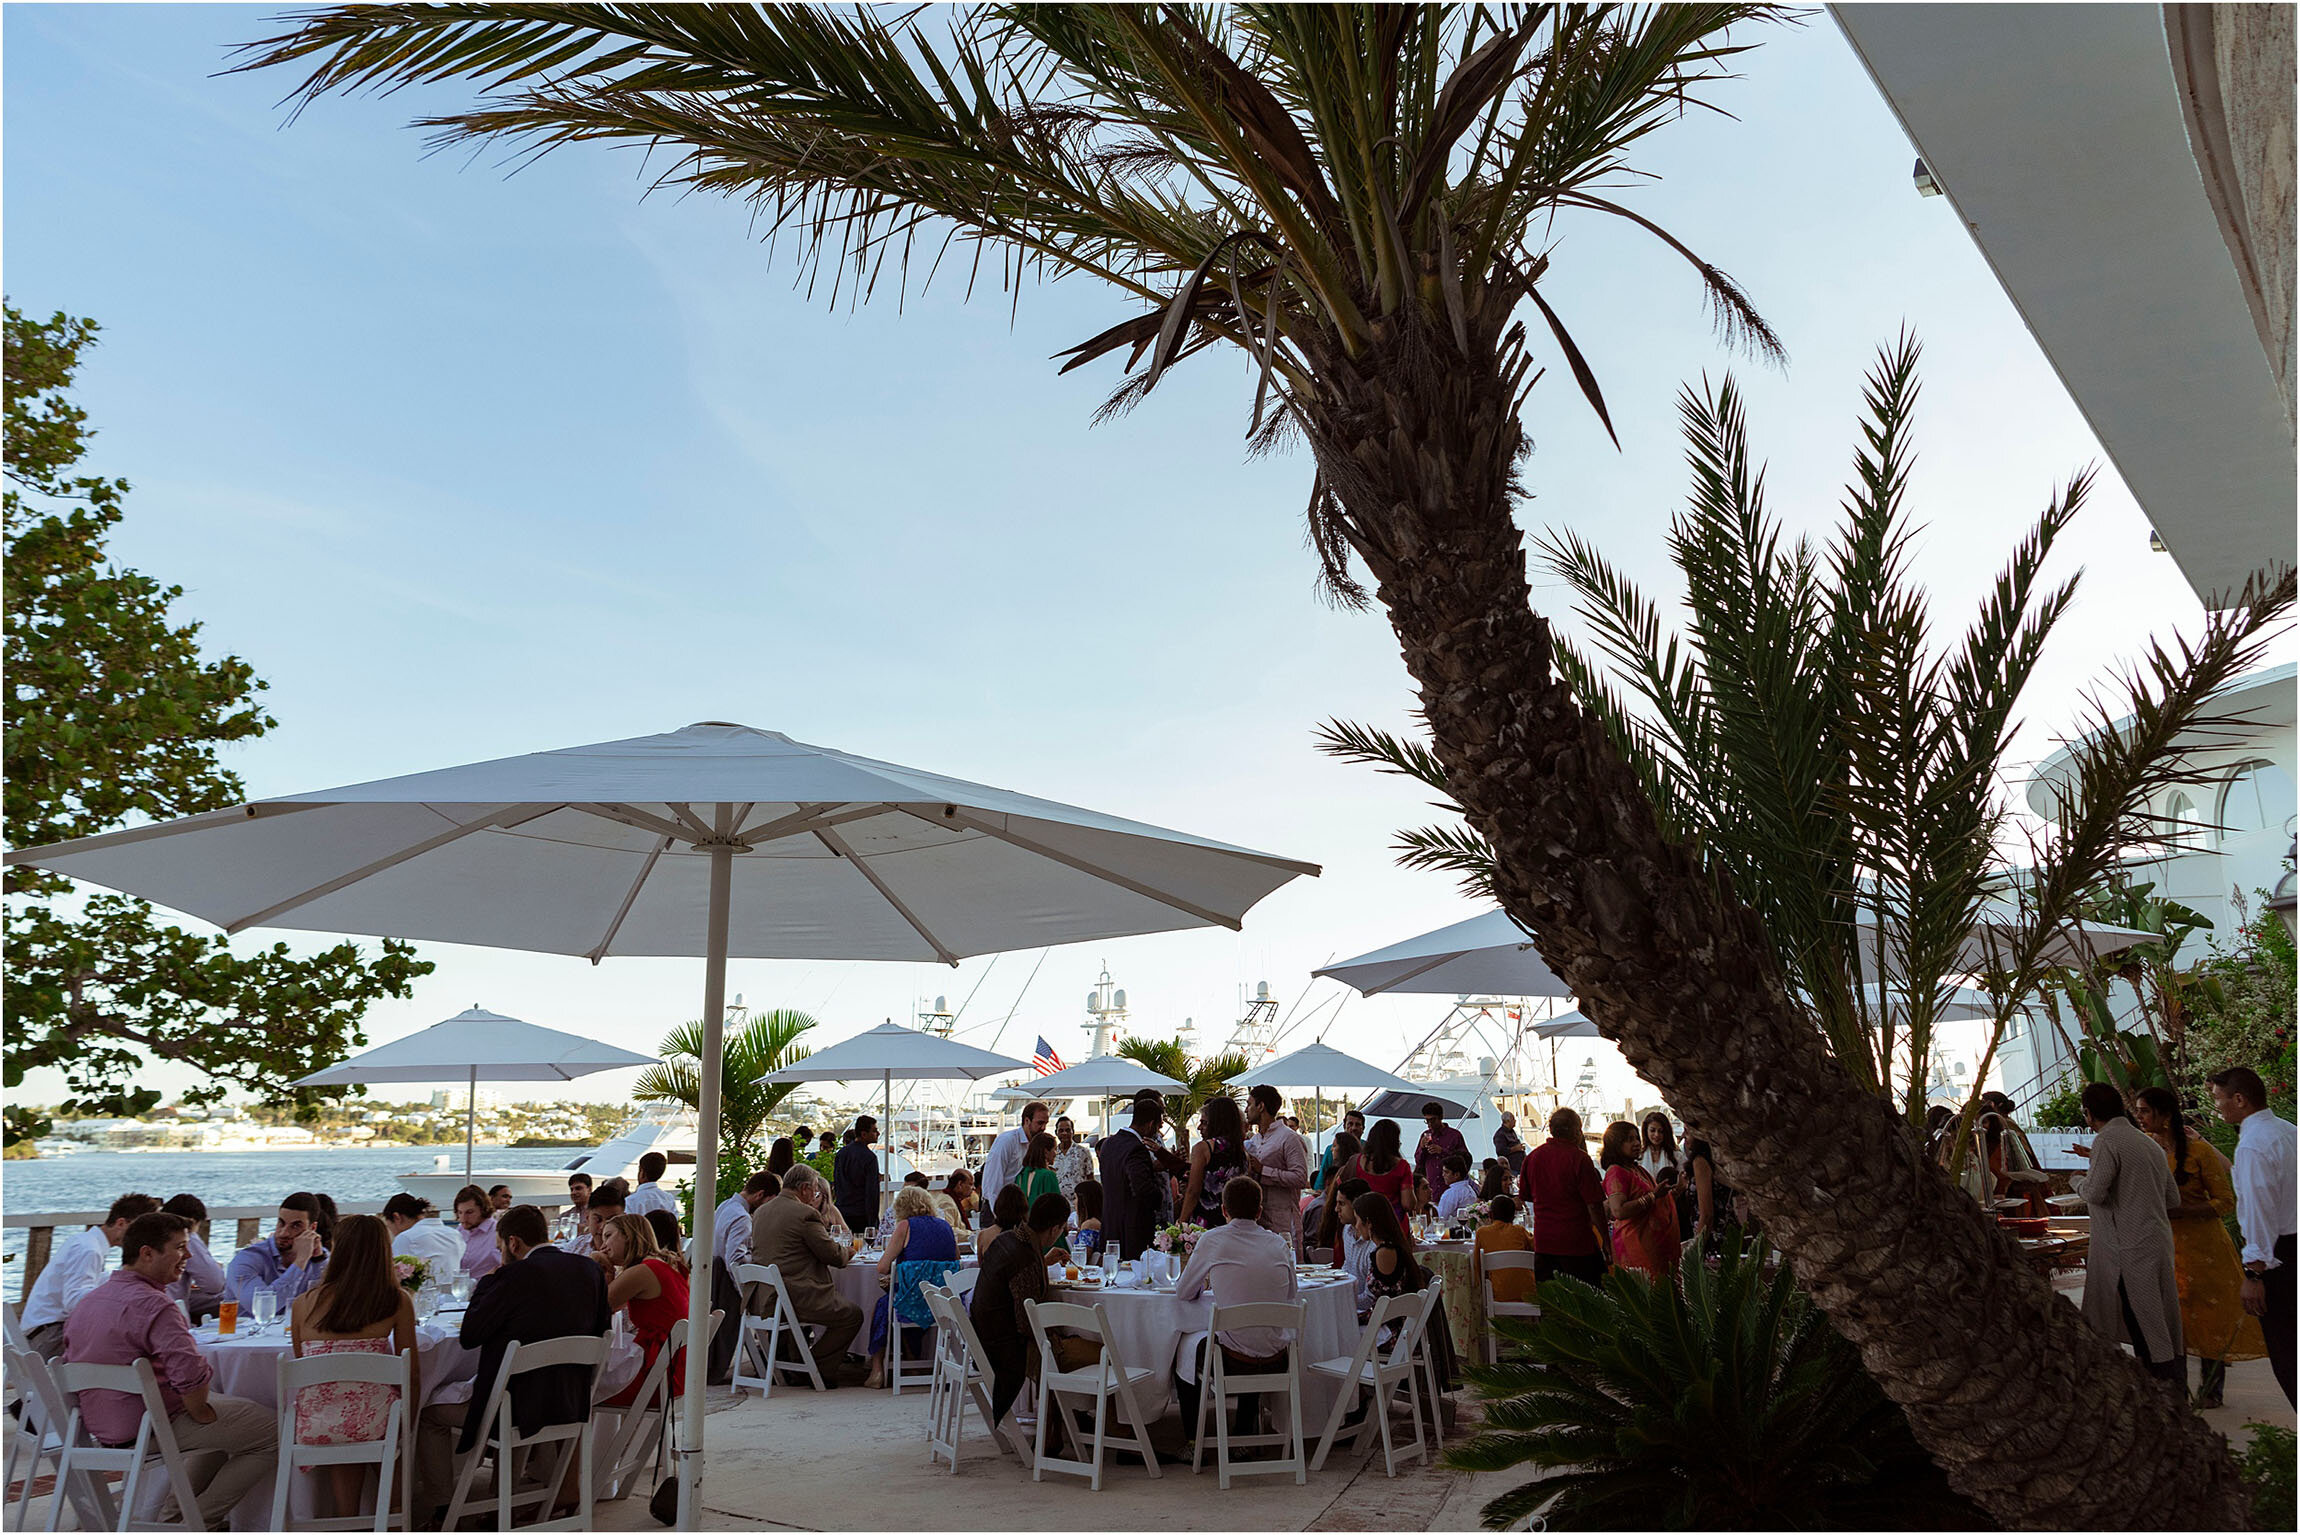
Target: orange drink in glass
point(227, 1318)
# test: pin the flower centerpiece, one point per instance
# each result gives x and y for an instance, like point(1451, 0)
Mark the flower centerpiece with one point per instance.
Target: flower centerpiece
point(412, 1272)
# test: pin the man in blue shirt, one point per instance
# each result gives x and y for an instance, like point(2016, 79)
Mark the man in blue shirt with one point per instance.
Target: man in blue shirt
point(287, 1265)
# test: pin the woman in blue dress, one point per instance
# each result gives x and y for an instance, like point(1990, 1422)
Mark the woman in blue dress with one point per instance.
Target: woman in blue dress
point(919, 1236)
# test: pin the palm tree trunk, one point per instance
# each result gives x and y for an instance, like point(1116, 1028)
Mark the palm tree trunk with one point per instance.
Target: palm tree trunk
point(2030, 1412)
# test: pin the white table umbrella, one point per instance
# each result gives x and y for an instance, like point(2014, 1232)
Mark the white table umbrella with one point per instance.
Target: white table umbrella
point(1490, 955)
point(710, 841)
point(481, 1047)
point(1573, 1025)
point(1099, 1076)
point(891, 1051)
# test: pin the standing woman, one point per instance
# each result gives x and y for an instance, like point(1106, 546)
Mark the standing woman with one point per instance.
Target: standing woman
point(1219, 1156)
point(2208, 1275)
point(1644, 1215)
point(1660, 1147)
point(781, 1155)
point(1385, 1168)
point(357, 1307)
point(1715, 1221)
point(1037, 1176)
point(650, 1287)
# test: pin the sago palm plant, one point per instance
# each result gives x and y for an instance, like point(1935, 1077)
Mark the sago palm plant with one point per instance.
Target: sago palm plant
point(1724, 1402)
point(1367, 201)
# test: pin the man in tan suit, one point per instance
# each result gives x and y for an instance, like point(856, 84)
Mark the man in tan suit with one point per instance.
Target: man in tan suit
point(789, 1232)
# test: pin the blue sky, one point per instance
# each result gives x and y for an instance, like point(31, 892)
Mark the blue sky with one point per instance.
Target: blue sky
point(470, 463)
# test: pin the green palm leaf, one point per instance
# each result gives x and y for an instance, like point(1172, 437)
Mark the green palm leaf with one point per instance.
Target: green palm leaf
point(766, 1042)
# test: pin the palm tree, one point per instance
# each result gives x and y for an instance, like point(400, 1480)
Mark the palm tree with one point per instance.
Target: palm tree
point(1365, 198)
point(1202, 1078)
point(766, 1042)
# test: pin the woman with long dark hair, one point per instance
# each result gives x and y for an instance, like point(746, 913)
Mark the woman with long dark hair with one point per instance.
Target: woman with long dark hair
point(1644, 1215)
point(1037, 1176)
point(1392, 1269)
point(2214, 1326)
point(357, 1307)
point(781, 1155)
point(1219, 1156)
point(1332, 1217)
point(1384, 1167)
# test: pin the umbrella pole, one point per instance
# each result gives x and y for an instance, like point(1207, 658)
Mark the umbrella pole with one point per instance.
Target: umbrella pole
point(689, 1442)
point(470, 1120)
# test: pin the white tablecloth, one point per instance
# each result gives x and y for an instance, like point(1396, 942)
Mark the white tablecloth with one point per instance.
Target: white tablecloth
point(858, 1282)
point(1151, 1326)
point(247, 1364)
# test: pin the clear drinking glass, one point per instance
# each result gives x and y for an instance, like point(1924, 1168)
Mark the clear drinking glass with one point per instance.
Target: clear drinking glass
point(265, 1306)
point(460, 1286)
point(426, 1302)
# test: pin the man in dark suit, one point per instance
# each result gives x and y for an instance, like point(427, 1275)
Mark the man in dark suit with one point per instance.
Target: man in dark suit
point(1136, 1197)
point(539, 1293)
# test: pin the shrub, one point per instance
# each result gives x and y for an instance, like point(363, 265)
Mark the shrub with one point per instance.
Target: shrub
point(2060, 1109)
point(1723, 1402)
point(2267, 1468)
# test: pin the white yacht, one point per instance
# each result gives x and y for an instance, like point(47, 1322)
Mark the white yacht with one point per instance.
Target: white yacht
point(666, 1128)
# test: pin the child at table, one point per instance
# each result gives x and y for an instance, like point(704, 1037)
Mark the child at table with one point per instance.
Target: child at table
point(357, 1307)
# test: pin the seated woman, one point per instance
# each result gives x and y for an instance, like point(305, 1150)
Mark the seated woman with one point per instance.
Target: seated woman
point(646, 1283)
point(1353, 1255)
point(357, 1307)
point(1392, 1269)
point(1493, 1179)
point(958, 1191)
point(1007, 1213)
point(921, 1235)
point(670, 1242)
point(1089, 1193)
point(1502, 1234)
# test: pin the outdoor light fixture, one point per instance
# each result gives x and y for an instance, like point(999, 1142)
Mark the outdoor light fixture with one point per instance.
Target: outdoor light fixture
point(2155, 542)
point(1927, 185)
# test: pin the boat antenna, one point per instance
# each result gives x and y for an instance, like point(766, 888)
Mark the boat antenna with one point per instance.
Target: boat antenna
point(1018, 996)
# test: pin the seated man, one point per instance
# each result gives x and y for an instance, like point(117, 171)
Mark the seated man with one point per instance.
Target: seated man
point(418, 1232)
point(536, 1293)
point(1014, 1272)
point(574, 1228)
point(789, 1231)
point(475, 1216)
point(1459, 1193)
point(229, 1445)
point(74, 1273)
point(288, 1263)
point(730, 1250)
point(1241, 1261)
point(499, 1197)
point(202, 1288)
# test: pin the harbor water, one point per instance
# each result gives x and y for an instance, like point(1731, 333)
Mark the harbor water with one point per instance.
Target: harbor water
point(351, 1175)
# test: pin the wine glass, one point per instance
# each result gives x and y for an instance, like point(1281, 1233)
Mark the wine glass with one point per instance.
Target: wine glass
point(265, 1305)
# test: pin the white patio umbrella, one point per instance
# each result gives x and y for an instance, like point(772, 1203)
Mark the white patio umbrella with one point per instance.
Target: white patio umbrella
point(710, 841)
point(1099, 1076)
point(483, 1047)
point(891, 1051)
point(1490, 955)
point(1573, 1025)
point(1319, 1066)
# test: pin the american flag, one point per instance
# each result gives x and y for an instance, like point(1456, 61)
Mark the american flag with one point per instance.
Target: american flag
point(1044, 1058)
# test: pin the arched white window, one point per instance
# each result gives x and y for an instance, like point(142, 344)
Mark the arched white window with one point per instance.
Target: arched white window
point(2258, 796)
point(2182, 829)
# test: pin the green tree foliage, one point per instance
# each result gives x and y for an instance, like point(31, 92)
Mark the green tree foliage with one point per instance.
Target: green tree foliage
point(1202, 1079)
point(2246, 1017)
point(114, 714)
point(1723, 1403)
point(769, 1041)
point(2269, 1476)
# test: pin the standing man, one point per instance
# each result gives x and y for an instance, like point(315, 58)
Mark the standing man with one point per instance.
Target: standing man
point(417, 1232)
point(1073, 1159)
point(1355, 1123)
point(1508, 1146)
point(1005, 1157)
point(1137, 1197)
point(230, 1445)
point(2129, 1290)
point(287, 1265)
point(1561, 1188)
point(74, 1273)
point(2265, 1185)
point(533, 1294)
point(1439, 1141)
point(854, 1176)
point(1282, 1166)
point(650, 1194)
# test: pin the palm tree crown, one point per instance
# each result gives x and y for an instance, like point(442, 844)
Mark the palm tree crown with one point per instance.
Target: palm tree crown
point(766, 1042)
point(1202, 1078)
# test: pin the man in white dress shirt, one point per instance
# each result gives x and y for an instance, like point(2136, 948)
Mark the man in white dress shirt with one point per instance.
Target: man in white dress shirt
point(2267, 1186)
point(1242, 1262)
point(1006, 1153)
point(650, 1195)
point(418, 1232)
point(73, 1273)
point(730, 1250)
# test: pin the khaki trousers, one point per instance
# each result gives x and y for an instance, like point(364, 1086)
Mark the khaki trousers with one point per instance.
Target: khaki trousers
point(229, 1458)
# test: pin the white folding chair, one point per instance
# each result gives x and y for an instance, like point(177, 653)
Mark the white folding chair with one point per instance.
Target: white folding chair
point(1220, 1386)
point(896, 1378)
point(1490, 1264)
point(83, 1461)
point(1379, 1374)
point(1433, 1299)
point(960, 1282)
point(1108, 1378)
point(756, 1357)
point(959, 1379)
point(638, 1433)
point(501, 1441)
point(394, 1451)
point(36, 1437)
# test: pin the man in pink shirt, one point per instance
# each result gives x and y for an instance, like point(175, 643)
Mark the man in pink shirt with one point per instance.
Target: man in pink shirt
point(230, 1446)
point(1239, 1262)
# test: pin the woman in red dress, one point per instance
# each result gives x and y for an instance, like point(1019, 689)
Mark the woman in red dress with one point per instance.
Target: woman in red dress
point(647, 1284)
point(1644, 1214)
